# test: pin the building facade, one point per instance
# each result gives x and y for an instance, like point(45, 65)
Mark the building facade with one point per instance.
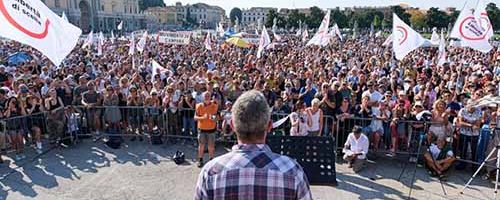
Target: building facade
point(100, 15)
point(254, 14)
point(162, 18)
point(204, 15)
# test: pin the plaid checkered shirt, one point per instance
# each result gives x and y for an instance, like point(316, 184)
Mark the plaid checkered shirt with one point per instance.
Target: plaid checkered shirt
point(252, 171)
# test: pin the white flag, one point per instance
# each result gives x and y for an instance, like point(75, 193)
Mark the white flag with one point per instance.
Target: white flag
point(157, 69)
point(90, 39)
point(120, 26)
point(442, 50)
point(112, 37)
point(277, 37)
point(208, 42)
point(335, 30)
point(388, 40)
point(263, 41)
point(142, 42)
point(378, 34)
point(100, 43)
point(220, 30)
point(131, 49)
point(321, 37)
point(34, 24)
point(478, 11)
point(305, 35)
point(298, 33)
point(471, 33)
point(404, 38)
point(372, 29)
point(435, 40)
point(63, 16)
point(256, 32)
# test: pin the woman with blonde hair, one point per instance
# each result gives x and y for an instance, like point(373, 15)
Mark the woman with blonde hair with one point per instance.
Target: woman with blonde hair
point(316, 116)
point(439, 122)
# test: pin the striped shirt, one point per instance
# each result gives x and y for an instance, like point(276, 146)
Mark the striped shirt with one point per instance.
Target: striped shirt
point(252, 171)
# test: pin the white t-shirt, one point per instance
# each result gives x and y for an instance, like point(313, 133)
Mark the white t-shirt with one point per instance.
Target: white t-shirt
point(435, 151)
point(375, 96)
point(359, 145)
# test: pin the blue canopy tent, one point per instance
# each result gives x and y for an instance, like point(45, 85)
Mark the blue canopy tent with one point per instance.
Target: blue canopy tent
point(18, 58)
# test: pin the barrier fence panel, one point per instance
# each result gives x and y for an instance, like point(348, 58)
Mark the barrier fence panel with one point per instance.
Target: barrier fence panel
point(143, 122)
point(393, 136)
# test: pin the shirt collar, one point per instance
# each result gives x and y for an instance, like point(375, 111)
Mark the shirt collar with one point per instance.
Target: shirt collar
point(251, 147)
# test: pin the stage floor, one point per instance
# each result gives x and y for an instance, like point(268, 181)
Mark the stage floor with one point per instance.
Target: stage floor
point(140, 171)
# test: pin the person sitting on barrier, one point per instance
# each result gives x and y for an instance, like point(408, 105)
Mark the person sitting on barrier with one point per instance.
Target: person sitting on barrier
point(439, 157)
point(356, 148)
point(251, 168)
point(300, 120)
point(316, 115)
point(206, 116)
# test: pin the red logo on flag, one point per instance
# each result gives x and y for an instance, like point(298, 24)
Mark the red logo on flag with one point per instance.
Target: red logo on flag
point(18, 26)
point(404, 34)
point(472, 31)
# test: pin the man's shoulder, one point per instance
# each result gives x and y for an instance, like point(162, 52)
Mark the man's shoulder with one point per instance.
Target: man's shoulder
point(231, 161)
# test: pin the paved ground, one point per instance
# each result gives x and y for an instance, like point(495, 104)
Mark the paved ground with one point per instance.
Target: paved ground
point(140, 171)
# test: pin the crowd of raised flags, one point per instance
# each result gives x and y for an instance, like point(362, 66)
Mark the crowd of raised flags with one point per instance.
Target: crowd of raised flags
point(472, 28)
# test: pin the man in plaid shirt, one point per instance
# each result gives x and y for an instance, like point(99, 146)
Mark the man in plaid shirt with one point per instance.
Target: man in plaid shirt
point(251, 170)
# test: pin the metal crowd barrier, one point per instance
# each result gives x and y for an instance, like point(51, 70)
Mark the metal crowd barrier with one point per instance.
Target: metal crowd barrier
point(77, 122)
point(483, 141)
point(408, 132)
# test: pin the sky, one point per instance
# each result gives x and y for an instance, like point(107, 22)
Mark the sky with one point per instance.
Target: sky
point(229, 4)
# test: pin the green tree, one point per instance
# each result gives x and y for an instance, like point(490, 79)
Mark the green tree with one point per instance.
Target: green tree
point(418, 19)
point(377, 21)
point(402, 14)
point(366, 17)
point(452, 17)
point(270, 18)
point(337, 16)
point(294, 17)
point(494, 15)
point(386, 23)
point(437, 18)
point(314, 20)
point(235, 13)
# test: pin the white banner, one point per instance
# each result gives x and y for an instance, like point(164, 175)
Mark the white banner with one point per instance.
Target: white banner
point(32, 23)
point(178, 38)
point(251, 38)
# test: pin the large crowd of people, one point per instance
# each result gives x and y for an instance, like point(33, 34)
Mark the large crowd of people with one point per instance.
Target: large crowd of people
point(325, 90)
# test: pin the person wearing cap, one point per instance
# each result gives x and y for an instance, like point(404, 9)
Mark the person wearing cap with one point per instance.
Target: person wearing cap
point(469, 123)
point(356, 149)
point(206, 116)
